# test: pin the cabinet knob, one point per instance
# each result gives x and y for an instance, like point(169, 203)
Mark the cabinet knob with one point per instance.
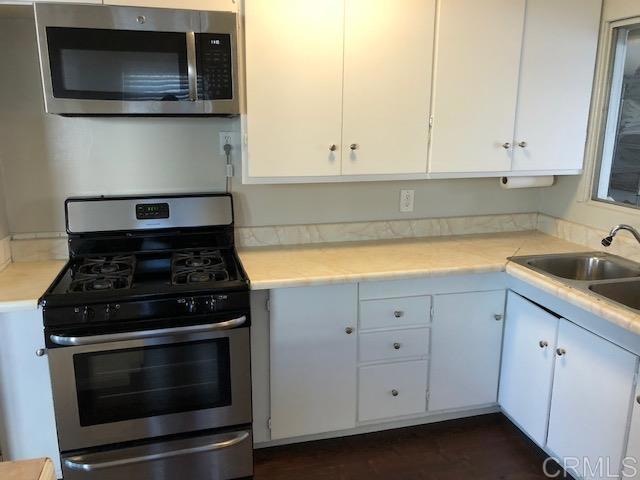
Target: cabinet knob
point(561, 352)
point(41, 352)
point(354, 146)
point(498, 317)
point(141, 19)
point(506, 145)
point(395, 392)
point(348, 330)
point(333, 147)
point(543, 344)
point(398, 313)
point(397, 346)
point(522, 144)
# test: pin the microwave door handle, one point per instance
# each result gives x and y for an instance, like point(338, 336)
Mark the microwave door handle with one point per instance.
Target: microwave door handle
point(80, 463)
point(162, 332)
point(192, 66)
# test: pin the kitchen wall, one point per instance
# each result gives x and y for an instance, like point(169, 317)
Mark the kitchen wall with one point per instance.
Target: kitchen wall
point(569, 198)
point(47, 158)
point(4, 224)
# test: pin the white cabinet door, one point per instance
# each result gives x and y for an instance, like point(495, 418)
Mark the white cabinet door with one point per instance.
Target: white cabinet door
point(221, 5)
point(528, 356)
point(294, 55)
point(476, 85)
point(631, 462)
point(592, 387)
point(313, 359)
point(388, 56)
point(555, 88)
point(26, 402)
point(466, 339)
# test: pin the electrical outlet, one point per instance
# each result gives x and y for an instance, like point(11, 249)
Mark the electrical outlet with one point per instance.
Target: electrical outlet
point(406, 200)
point(233, 138)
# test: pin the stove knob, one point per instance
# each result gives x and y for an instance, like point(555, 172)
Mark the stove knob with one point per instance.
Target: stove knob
point(110, 311)
point(191, 305)
point(211, 303)
point(85, 313)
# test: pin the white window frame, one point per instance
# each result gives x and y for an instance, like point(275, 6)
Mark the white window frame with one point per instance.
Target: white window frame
point(604, 121)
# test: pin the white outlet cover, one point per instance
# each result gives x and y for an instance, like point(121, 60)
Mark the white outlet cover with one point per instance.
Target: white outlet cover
point(407, 200)
point(232, 137)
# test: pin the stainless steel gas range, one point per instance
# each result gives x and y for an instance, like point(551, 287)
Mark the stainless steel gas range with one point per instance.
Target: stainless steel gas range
point(147, 330)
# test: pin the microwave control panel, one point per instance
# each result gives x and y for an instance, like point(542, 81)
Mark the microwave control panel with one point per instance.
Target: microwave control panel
point(215, 73)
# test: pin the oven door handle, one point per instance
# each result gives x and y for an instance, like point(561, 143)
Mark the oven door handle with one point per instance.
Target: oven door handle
point(162, 332)
point(80, 462)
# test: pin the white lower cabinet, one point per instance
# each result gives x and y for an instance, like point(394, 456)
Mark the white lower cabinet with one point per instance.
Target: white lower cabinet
point(26, 403)
point(392, 390)
point(631, 462)
point(528, 358)
point(592, 387)
point(313, 348)
point(465, 349)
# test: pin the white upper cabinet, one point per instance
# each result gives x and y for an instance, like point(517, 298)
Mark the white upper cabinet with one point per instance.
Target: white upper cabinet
point(528, 358)
point(592, 389)
point(476, 84)
point(558, 61)
point(294, 54)
point(387, 86)
point(221, 5)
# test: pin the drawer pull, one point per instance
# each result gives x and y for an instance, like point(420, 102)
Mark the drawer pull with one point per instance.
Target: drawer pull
point(543, 344)
point(498, 317)
point(396, 346)
point(398, 313)
point(348, 330)
point(395, 392)
point(561, 352)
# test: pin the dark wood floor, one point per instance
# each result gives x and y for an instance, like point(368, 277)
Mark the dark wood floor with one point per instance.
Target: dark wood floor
point(480, 448)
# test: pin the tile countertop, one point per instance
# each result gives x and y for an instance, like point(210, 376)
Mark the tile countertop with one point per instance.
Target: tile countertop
point(290, 266)
point(23, 283)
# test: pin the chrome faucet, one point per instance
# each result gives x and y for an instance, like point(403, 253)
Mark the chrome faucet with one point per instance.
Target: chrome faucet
point(608, 240)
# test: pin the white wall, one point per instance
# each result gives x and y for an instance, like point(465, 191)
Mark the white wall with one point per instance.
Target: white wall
point(47, 158)
point(4, 224)
point(569, 198)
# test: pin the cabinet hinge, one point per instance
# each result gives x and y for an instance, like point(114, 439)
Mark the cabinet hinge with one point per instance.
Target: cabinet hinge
point(431, 121)
point(428, 395)
point(269, 423)
point(229, 170)
point(431, 311)
point(268, 304)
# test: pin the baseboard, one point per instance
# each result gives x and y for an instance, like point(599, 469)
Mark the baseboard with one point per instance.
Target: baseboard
point(378, 427)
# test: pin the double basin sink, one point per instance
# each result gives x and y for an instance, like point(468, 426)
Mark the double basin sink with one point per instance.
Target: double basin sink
point(608, 276)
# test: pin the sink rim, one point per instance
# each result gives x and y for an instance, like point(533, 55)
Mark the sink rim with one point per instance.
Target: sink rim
point(585, 286)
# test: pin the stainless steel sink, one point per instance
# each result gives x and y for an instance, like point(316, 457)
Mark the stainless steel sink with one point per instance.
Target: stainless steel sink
point(585, 267)
point(609, 276)
point(626, 293)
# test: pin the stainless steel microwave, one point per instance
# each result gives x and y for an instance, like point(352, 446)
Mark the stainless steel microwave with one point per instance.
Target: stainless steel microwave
point(102, 60)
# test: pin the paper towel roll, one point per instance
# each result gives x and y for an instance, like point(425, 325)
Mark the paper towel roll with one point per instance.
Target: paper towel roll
point(526, 182)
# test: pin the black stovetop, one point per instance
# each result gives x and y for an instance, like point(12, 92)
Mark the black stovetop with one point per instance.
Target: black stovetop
point(119, 277)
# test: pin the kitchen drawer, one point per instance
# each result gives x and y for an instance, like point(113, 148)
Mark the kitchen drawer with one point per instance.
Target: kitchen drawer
point(393, 344)
point(392, 390)
point(395, 312)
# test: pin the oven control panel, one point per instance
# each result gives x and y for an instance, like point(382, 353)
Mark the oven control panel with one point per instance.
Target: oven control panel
point(215, 70)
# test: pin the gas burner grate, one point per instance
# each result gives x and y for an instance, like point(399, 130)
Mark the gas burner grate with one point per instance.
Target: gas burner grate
point(103, 273)
point(198, 266)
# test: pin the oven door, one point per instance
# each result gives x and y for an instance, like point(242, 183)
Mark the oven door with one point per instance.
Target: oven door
point(135, 385)
point(99, 60)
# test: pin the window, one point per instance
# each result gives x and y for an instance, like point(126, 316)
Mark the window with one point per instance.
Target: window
point(619, 177)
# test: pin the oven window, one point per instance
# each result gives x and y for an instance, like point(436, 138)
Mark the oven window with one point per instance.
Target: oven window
point(150, 381)
point(92, 64)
